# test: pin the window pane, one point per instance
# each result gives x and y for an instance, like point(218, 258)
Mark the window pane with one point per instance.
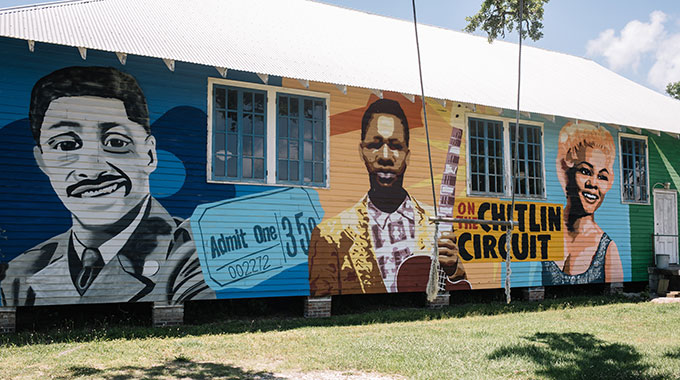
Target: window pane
point(247, 168)
point(259, 103)
point(220, 121)
point(258, 168)
point(283, 105)
point(318, 131)
point(294, 107)
point(294, 149)
point(232, 121)
point(247, 101)
point(283, 148)
point(232, 100)
point(308, 151)
point(247, 146)
point(247, 124)
point(218, 161)
point(232, 144)
point(318, 110)
point(308, 172)
point(294, 171)
point(492, 184)
point(232, 166)
point(283, 170)
point(308, 129)
point(258, 146)
point(318, 173)
point(259, 125)
point(283, 126)
point(219, 97)
point(308, 108)
point(318, 151)
point(293, 128)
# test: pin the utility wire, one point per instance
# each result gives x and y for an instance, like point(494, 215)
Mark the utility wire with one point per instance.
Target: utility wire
point(422, 98)
point(515, 169)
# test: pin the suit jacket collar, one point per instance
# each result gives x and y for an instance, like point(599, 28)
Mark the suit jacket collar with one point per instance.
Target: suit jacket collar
point(138, 260)
point(361, 254)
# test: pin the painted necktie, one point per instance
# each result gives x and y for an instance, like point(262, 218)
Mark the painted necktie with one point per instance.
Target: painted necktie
point(92, 264)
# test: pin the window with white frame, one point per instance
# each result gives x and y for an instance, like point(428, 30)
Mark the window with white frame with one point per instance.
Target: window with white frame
point(301, 136)
point(490, 147)
point(529, 159)
point(486, 156)
point(239, 138)
point(634, 184)
point(266, 134)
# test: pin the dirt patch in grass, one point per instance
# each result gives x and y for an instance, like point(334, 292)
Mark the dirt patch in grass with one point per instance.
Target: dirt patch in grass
point(335, 375)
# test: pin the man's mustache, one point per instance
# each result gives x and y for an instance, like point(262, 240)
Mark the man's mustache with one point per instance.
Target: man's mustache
point(103, 181)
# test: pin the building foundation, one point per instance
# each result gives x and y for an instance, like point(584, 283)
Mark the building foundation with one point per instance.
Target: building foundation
point(167, 315)
point(8, 320)
point(442, 300)
point(534, 294)
point(318, 307)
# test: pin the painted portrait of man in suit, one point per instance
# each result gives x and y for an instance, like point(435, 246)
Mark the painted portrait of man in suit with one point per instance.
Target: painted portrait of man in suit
point(94, 144)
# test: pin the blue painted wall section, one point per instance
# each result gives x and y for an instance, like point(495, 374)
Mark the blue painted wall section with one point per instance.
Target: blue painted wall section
point(264, 250)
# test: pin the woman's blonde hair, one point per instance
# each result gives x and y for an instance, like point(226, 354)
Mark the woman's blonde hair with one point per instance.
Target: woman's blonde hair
point(575, 137)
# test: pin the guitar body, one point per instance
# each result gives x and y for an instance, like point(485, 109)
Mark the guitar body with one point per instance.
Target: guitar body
point(414, 272)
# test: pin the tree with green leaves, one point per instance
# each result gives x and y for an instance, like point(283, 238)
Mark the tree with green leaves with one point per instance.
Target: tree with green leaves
point(498, 16)
point(673, 89)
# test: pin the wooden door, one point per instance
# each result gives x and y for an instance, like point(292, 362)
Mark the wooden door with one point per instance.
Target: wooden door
point(666, 223)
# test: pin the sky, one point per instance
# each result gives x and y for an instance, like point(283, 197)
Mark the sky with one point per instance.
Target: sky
point(639, 39)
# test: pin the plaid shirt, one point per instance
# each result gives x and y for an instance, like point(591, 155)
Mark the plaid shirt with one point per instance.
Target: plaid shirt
point(393, 236)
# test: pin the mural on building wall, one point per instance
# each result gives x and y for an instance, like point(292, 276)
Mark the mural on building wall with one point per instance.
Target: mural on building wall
point(361, 249)
point(104, 205)
point(585, 169)
point(243, 251)
point(538, 236)
point(94, 143)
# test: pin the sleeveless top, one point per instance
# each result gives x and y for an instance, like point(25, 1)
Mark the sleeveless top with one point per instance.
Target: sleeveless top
point(553, 275)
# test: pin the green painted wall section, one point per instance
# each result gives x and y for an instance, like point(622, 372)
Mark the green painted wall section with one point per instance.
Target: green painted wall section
point(664, 164)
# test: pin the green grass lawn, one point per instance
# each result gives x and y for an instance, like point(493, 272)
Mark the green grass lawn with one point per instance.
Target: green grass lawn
point(570, 338)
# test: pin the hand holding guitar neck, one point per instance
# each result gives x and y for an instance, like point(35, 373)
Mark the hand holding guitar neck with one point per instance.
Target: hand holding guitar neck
point(414, 272)
point(449, 261)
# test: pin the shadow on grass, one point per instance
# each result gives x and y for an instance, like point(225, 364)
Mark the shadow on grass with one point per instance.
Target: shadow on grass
point(180, 368)
point(674, 354)
point(228, 324)
point(578, 356)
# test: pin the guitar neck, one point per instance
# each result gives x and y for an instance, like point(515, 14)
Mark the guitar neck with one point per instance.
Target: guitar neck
point(447, 190)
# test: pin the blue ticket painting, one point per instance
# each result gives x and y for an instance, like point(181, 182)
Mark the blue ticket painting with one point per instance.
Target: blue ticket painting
point(263, 250)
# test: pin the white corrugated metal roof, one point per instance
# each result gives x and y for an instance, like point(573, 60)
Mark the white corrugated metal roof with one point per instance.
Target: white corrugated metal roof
point(318, 42)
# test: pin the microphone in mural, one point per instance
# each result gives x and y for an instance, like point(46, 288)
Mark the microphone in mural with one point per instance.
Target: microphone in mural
point(94, 143)
point(585, 161)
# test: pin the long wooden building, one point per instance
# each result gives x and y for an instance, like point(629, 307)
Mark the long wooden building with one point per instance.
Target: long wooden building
point(165, 151)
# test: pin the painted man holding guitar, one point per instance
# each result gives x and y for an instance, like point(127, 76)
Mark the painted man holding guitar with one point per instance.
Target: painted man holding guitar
point(371, 247)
